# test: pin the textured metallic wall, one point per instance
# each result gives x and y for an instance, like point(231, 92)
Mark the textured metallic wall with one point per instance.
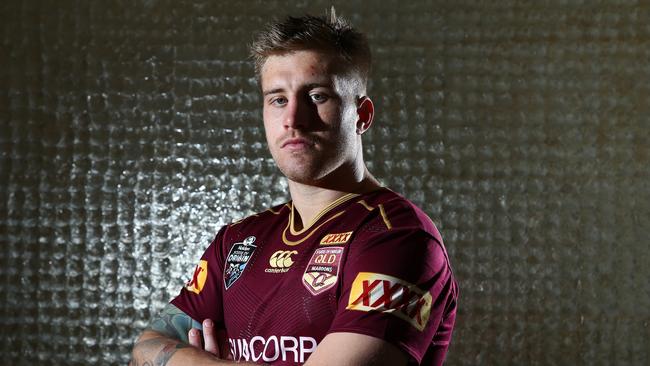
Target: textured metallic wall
point(130, 131)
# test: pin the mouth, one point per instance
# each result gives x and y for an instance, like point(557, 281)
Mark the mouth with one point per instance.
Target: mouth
point(296, 143)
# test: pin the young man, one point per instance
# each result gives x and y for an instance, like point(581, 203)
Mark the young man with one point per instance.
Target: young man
point(347, 272)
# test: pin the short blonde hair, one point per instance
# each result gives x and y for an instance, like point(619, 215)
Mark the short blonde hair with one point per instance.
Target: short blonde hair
point(330, 34)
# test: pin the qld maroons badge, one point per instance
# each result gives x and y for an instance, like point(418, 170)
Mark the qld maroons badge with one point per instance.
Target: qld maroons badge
point(323, 269)
point(237, 259)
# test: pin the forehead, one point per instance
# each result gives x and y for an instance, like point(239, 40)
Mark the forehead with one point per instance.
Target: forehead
point(299, 67)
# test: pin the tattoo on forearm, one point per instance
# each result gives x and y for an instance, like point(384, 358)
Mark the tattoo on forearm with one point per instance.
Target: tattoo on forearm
point(162, 356)
point(166, 353)
point(135, 362)
point(174, 323)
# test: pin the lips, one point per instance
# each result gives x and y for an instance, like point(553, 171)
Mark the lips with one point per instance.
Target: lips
point(296, 142)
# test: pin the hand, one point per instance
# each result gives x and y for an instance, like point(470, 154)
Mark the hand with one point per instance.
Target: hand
point(214, 340)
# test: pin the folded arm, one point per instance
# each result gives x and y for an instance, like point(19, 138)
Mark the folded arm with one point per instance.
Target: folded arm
point(342, 348)
point(165, 342)
point(353, 349)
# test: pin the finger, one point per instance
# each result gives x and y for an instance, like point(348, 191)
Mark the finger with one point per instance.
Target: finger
point(194, 337)
point(210, 337)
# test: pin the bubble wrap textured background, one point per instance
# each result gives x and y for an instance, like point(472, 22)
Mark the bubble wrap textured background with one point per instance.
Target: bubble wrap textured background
point(130, 131)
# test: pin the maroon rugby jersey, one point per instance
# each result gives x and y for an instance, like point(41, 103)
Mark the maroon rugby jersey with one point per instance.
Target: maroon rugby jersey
point(372, 264)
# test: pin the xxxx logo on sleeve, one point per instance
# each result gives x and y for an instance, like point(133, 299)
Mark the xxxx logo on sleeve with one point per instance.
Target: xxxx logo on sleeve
point(387, 294)
point(338, 238)
point(198, 278)
point(323, 269)
point(281, 261)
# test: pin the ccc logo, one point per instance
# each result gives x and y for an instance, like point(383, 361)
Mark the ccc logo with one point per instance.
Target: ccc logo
point(282, 258)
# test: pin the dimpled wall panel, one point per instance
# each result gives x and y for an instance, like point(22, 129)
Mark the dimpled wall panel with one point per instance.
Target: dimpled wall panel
point(130, 131)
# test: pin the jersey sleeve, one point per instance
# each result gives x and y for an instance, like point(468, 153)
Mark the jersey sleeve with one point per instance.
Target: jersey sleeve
point(201, 296)
point(397, 285)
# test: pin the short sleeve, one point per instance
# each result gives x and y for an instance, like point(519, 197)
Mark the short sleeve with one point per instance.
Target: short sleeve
point(200, 298)
point(397, 285)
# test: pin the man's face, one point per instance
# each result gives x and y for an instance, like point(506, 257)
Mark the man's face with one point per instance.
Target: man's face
point(310, 115)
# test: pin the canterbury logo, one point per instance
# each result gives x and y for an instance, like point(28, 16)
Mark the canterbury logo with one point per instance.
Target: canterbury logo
point(340, 238)
point(387, 294)
point(282, 259)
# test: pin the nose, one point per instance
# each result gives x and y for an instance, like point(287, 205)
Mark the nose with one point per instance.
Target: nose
point(297, 114)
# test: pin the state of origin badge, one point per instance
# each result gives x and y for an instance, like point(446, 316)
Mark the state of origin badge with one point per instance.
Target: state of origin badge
point(237, 259)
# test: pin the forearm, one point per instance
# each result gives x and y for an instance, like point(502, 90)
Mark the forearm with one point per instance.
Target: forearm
point(153, 348)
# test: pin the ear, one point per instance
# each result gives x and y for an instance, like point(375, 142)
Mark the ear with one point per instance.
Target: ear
point(365, 112)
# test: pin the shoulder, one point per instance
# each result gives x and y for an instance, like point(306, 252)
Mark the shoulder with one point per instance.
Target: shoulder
point(266, 217)
point(396, 214)
point(240, 231)
point(398, 231)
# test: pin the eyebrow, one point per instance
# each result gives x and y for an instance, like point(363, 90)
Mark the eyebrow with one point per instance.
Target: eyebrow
point(308, 86)
point(273, 91)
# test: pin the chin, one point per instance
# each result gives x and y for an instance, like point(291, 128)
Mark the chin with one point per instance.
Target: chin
point(300, 176)
point(306, 170)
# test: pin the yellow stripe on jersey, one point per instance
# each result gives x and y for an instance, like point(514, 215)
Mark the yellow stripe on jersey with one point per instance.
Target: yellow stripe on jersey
point(385, 217)
point(382, 211)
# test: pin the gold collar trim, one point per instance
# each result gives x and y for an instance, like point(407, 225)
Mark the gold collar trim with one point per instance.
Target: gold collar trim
point(296, 242)
point(325, 210)
point(309, 228)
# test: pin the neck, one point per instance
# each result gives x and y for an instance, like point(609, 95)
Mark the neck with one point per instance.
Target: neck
point(310, 199)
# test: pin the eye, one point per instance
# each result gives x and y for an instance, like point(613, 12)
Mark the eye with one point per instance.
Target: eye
point(278, 101)
point(318, 98)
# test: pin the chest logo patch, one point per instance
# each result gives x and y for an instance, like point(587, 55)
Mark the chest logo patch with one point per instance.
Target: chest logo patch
point(237, 259)
point(281, 261)
point(323, 269)
point(198, 278)
point(339, 238)
point(387, 294)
